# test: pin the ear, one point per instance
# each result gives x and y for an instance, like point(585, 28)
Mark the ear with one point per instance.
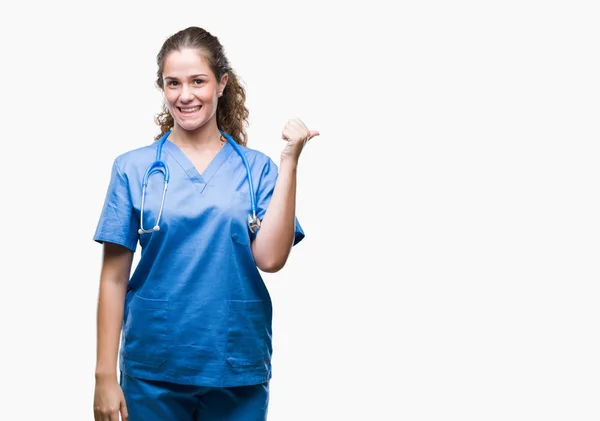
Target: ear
point(223, 82)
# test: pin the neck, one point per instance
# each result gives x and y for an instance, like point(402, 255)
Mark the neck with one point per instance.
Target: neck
point(206, 136)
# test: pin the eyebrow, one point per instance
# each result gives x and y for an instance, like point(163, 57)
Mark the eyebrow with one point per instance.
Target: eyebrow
point(191, 76)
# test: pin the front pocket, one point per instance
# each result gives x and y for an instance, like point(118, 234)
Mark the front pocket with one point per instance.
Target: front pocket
point(145, 332)
point(247, 342)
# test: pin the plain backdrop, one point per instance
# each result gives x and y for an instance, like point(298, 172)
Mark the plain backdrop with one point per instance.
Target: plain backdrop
point(450, 268)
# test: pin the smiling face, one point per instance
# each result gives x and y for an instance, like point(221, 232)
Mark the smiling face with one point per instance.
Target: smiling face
point(191, 89)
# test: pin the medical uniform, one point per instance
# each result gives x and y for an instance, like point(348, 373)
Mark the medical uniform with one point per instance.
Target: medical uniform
point(197, 314)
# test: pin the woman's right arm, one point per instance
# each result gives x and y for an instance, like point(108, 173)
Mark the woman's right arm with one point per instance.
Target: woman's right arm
point(114, 276)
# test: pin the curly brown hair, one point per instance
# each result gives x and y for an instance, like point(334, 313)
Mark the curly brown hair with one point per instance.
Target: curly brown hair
point(232, 114)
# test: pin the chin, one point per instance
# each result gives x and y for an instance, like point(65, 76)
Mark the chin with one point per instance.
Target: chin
point(190, 125)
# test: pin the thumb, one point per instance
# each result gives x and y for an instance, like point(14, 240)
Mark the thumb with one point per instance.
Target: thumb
point(313, 133)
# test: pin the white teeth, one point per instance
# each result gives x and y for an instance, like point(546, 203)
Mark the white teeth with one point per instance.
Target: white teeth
point(189, 110)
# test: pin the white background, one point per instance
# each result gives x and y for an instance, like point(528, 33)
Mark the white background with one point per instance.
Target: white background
point(450, 268)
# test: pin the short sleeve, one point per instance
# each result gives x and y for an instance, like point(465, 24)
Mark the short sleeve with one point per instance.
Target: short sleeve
point(117, 222)
point(266, 185)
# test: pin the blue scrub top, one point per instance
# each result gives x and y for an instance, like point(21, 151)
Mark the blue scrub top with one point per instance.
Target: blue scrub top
point(197, 310)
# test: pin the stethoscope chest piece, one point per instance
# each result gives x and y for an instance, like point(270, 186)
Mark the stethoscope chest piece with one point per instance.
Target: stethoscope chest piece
point(253, 223)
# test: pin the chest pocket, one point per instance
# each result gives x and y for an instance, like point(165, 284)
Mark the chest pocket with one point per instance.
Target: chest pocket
point(241, 199)
point(240, 209)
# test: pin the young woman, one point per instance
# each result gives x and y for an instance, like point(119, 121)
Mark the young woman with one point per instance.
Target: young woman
point(194, 318)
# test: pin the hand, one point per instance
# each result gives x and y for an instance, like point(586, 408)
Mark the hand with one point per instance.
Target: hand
point(296, 134)
point(109, 401)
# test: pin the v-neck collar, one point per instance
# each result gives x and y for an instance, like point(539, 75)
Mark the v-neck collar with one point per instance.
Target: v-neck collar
point(199, 180)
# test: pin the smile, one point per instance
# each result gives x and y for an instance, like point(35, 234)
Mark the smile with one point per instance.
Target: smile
point(190, 110)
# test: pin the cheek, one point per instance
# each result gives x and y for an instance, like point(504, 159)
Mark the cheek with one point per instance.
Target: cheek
point(170, 98)
point(205, 96)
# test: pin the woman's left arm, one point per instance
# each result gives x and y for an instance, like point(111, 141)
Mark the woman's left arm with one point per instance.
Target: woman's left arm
point(273, 243)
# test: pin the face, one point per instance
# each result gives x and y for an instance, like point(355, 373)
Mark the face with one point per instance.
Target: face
point(190, 88)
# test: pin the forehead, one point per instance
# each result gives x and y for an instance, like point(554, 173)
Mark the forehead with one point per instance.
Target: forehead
point(185, 62)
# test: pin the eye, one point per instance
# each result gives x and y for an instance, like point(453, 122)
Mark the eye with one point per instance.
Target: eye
point(198, 81)
point(172, 83)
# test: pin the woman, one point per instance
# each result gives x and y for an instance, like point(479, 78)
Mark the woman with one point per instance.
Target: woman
point(194, 319)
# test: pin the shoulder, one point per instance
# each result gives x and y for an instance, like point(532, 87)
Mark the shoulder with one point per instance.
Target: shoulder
point(256, 158)
point(131, 159)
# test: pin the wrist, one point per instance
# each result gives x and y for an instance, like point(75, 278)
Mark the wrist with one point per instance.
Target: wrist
point(288, 164)
point(103, 375)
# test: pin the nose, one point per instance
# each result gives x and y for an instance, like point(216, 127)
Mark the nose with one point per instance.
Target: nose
point(186, 94)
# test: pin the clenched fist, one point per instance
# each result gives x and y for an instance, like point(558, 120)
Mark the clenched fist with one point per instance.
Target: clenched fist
point(296, 134)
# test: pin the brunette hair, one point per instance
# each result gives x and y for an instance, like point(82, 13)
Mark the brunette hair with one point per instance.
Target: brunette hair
point(232, 114)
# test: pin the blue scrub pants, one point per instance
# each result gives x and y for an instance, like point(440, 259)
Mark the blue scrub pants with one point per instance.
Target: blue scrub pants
point(149, 400)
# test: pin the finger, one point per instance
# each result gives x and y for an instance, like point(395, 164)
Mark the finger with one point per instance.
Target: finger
point(292, 123)
point(100, 416)
point(292, 133)
point(300, 125)
point(124, 412)
point(295, 124)
point(311, 134)
point(286, 134)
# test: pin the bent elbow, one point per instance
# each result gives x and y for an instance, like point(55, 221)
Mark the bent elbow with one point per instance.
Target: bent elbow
point(269, 259)
point(271, 265)
point(271, 268)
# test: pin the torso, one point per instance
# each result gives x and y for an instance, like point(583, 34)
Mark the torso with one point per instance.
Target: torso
point(197, 310)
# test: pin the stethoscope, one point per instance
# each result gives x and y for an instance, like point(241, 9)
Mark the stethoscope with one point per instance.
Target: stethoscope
point(161, 166)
